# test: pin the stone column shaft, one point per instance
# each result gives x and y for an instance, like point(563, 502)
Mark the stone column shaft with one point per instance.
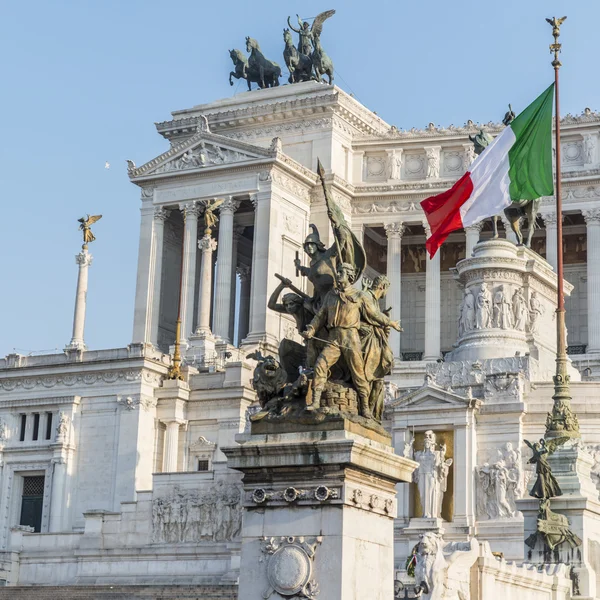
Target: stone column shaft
point(432, 305)
point(245, 290)
point(223, 306)
point(190, 235)
point(394, 233)
point(592, 218)
point(551, 247)
point(207, 245)
point(57, 498)
point(84, 260)
point(171, 450)
point(472, 234)
point(160, 216)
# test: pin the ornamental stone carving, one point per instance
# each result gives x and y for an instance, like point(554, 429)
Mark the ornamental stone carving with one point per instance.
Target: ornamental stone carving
point(289, 567)
point(394, 229)
point(3, 431)
point(589, 148)
point(483, 311)
point(466, 318)
point(591, 216)
point(290, 494)
point(84, 259)
point(499, 484)
point(63, 428)
point(395, 165)
point(229, 205)
point(431, 476)
point(161, 214)
point(433, 162)
point(536, 310)
point(519, 310)
point(213, 514)
point(207, 244)
point(502, 316)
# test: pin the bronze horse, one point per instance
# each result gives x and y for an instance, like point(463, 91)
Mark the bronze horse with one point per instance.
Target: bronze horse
point(268, 71)
point(298, 64)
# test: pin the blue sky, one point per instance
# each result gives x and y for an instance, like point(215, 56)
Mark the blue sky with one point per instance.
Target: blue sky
point(85, 80)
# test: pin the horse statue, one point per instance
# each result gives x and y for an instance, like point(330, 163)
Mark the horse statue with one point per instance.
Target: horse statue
point(240, 63)
point(517, 210)
point(298, 64)
point(268, 71)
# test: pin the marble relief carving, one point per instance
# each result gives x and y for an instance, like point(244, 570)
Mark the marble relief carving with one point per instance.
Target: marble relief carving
point(204, 155)
point(213, 514)
point(499, 483)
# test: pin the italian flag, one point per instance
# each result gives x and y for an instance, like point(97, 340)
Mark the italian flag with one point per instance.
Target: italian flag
point(517, 165)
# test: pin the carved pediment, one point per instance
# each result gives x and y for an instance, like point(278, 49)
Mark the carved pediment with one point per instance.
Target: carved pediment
point(202, 151)
point(434, 398)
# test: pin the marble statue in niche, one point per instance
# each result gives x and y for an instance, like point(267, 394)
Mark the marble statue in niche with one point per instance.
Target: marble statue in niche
point(483, 314)
point(433, 163)
point(395, 166)
point(502, 309)
point(431, 476)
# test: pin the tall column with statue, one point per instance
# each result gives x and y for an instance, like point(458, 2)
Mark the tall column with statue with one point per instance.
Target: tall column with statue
point(84, 260)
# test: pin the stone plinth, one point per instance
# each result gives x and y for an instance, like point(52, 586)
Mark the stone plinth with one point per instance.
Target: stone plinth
point(319, 513)
point(508, 306)
point(580, 505)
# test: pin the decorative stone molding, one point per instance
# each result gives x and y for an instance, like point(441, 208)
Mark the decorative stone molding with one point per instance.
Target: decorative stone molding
point(289, 566)
point(290, 185)
point(383, 207)
point(50, 381)
point(132, 402)
point(202, 449)
point(289, 495)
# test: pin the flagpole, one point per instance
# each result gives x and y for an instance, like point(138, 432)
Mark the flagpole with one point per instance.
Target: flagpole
point(561, 422)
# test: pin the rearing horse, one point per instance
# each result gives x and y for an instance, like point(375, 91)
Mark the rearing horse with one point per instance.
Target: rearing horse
point(268, 71)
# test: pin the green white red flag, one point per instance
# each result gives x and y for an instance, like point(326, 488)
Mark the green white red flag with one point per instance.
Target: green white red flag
point(516, 166)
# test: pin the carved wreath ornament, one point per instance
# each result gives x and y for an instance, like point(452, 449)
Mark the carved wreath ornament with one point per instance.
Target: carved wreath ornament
point(290, 565)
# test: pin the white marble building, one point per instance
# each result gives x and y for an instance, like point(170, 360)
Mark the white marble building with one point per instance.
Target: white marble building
point(111, 475)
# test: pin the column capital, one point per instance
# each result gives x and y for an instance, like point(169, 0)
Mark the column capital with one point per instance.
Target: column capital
point(190, 209)
point(84, 259)
point(207, 243)
point(244, 272)
point(426, 227)
point(549, 218)
point(229, 205)
point(475, 227)
point(161, 213)
point(254, 200)
point(591, 216)
point(174, 421)
point(393, 230)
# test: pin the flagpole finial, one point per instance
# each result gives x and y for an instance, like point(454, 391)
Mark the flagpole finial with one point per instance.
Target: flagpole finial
point(555, 48)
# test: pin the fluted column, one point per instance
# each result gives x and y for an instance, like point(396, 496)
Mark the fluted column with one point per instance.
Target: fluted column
point(592, 219)
point(432, 304)
point(158, 233)
point(171, 449)
point(551, 247)
point(84, 260)
point(190, 235)
point(207, 246)
point(472, 234)
point(223, 306)
point(245, 283)
point(394, 233)
point(237, 233)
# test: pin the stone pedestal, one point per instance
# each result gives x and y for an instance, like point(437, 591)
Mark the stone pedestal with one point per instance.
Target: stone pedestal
point(319, 512)
point(580, 505)
point(509, 305)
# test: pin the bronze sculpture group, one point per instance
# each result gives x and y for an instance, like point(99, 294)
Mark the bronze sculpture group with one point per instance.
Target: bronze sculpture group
point(305, 62)
point(341, 365)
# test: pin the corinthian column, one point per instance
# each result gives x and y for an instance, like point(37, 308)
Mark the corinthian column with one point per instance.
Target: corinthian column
point(160, 216)
point(394, 233)
point(223, 306)
point(432, 304)
point(84, 260)
point(472, 234)
point(207, 245)
point(592, 218)
point(190, 234)
point(551, 248)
